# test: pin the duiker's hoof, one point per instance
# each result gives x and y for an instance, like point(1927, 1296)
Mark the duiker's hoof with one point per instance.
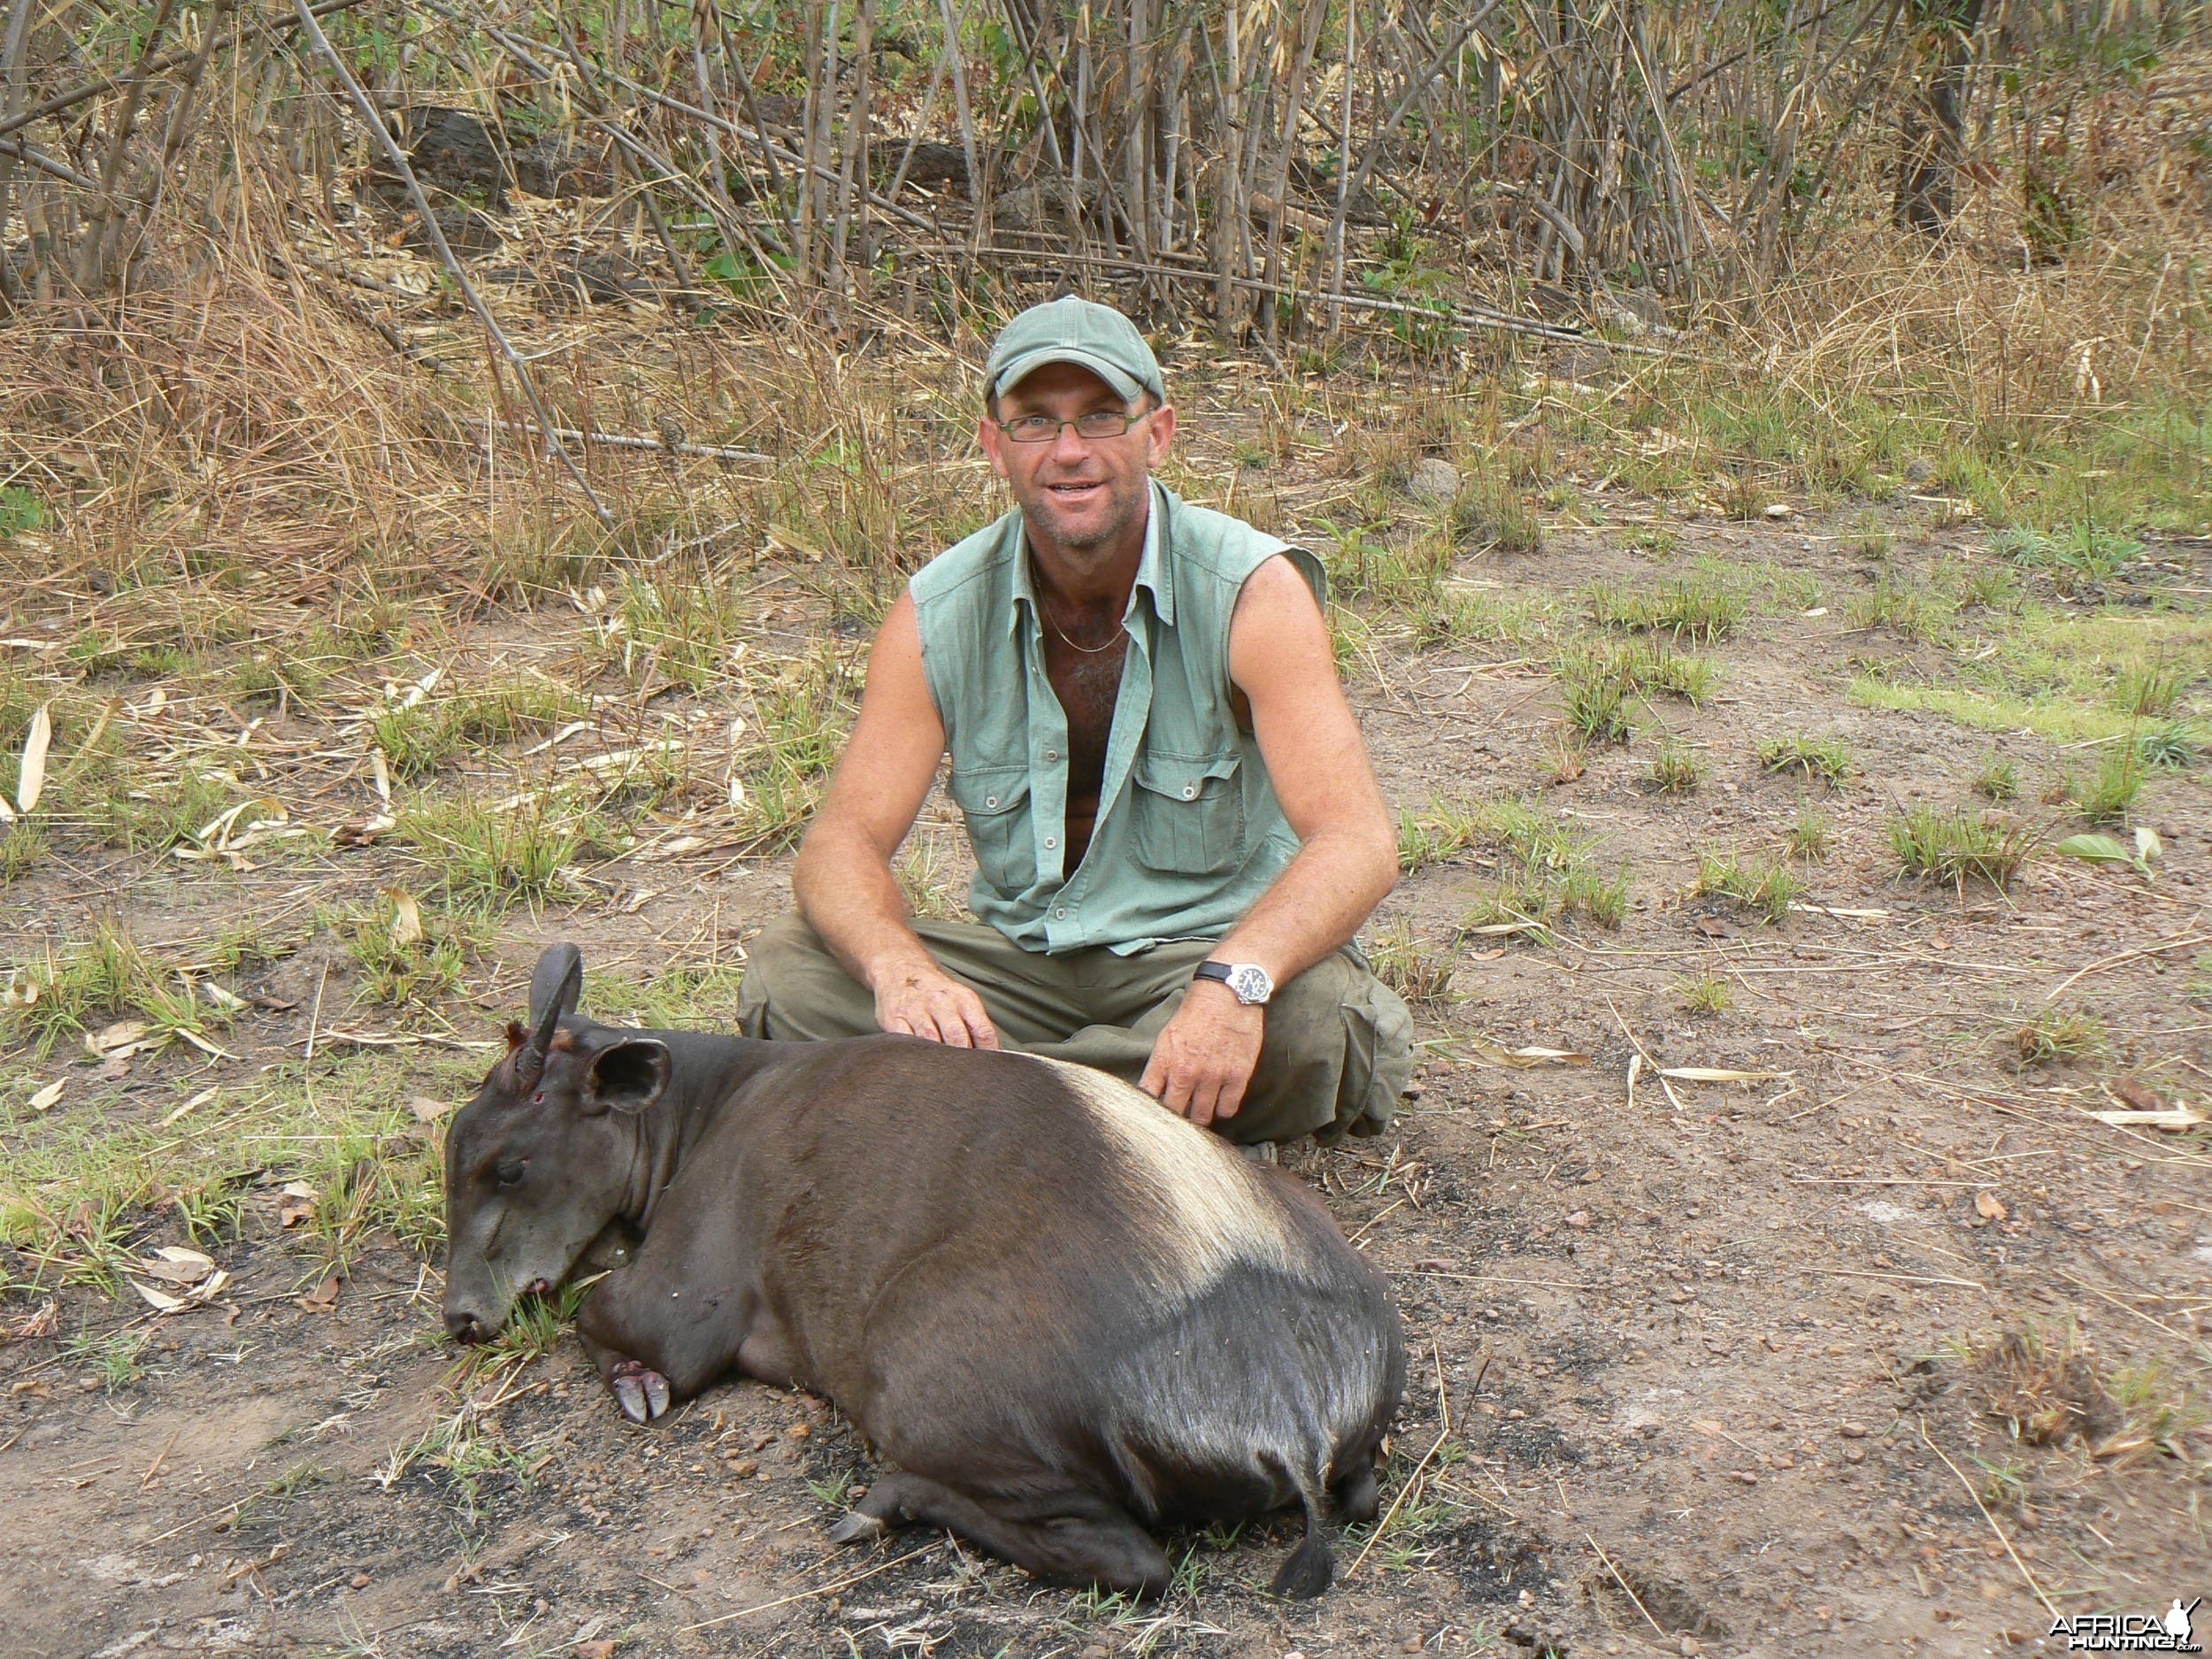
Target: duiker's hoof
point(641, 1391)
point(857, 1528)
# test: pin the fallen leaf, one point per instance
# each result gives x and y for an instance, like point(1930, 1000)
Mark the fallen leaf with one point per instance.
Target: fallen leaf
point(2101, 849)
point(197, 1296)
point(121, 1040)
point(676, 849)
point(297, 1205)
point(31, 780)
point(2133, 1091)
point(406, 918)
point(2175, 1118)
point(361, 833)
point(323, 1297)
point(1989, 1207)
point(1712, 927)
point(174, 1265)
point(1718, 1075)
point(47, 1096)
point(274, 1004)
point(428, 1111)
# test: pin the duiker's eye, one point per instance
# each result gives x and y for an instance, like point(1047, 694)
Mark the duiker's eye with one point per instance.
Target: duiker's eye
point(508, 1171)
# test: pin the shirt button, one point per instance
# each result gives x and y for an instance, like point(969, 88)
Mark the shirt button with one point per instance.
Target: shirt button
point(990, 800)
point(1050, 842)
point(1062, 913)
point(1052, 753)
point(1190, 791)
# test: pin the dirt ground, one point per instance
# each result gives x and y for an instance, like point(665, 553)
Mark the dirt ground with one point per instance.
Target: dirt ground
point(1698, 1366)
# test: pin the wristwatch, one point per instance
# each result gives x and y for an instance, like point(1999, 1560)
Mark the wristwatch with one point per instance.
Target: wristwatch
point(1248, 979)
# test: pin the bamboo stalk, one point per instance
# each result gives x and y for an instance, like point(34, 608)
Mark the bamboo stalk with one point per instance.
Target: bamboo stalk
point(398, 159)
point(92, 254)
point(70, 98)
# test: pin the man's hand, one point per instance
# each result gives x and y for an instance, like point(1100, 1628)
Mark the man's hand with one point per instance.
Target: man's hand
point(924, 1000)
point(1205, 1054)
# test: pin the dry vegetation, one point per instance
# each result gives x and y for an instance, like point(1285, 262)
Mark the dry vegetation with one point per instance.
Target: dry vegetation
point(1778, 617)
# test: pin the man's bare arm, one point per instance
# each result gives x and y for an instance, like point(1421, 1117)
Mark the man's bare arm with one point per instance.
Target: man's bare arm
point(842, 877)
point(1280, 657)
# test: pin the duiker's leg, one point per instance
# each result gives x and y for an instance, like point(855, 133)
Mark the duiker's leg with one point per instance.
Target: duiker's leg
point(648, 1359)
point(1081, 1539)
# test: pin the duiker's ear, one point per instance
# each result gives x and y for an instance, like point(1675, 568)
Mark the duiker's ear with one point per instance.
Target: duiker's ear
point(554, 988)
point(630, 1077)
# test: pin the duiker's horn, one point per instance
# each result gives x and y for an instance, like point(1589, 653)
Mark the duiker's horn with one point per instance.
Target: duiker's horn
point(554, 986)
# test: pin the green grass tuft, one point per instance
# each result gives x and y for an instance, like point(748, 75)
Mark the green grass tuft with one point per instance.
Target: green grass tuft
point(1810, 836)
point(1703, 995)
point(2107, 793)
point(2058, 1034)
point(1952, 844)
point(1825, 758)
point(1764, 886)
point(1675, 769)
point(1998, 779)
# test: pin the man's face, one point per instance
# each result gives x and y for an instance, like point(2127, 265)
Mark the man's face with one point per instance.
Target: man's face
point(1078, 492)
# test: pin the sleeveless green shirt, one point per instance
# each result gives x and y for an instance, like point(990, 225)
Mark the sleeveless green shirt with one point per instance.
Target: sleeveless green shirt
point(1189, 832)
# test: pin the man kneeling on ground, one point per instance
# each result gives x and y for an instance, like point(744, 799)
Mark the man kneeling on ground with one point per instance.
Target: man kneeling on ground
point(1177, 830)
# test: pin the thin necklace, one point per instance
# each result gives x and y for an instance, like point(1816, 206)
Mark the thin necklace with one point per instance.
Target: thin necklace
point(1088, 651)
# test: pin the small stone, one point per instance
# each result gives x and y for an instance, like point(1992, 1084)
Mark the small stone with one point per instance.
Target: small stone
point(742, 1466)
point(1852, 1431)
point(1516, 1415)
point(88, 1383)
point(1411, 1644)
point(797, 1432)
point(360, 1580)
point(1580, 1218)
point(1432, 480)
point(1854, 1454)
point(1691, 1648)
point(1095, 1651)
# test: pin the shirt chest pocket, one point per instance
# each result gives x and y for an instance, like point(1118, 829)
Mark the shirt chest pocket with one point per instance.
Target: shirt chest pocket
point(1188, 813)
point(995, 800)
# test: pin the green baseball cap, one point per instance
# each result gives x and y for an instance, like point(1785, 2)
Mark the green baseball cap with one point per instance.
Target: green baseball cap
point(1071, 329)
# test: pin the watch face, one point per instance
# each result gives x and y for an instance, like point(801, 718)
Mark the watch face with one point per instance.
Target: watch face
point(1250, 982)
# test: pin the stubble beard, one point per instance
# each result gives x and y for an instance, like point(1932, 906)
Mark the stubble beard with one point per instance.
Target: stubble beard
point(1123, 508)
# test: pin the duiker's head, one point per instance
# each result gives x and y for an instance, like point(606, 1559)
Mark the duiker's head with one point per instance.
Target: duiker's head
point(542, 1158)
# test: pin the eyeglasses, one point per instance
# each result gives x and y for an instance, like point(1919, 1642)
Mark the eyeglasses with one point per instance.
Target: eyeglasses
point(1092, 424)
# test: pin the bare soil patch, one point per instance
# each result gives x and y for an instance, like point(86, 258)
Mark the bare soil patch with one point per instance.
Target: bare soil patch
point(1888, 1347)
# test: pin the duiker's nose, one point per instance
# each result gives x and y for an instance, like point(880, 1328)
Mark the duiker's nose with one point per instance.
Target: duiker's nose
point(464, 1327)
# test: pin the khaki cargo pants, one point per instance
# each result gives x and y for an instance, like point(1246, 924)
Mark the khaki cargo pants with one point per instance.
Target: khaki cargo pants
point(1336, 1055)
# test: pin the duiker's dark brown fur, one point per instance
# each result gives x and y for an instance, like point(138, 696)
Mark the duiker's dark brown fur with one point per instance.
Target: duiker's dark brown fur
point(1060, 1311)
